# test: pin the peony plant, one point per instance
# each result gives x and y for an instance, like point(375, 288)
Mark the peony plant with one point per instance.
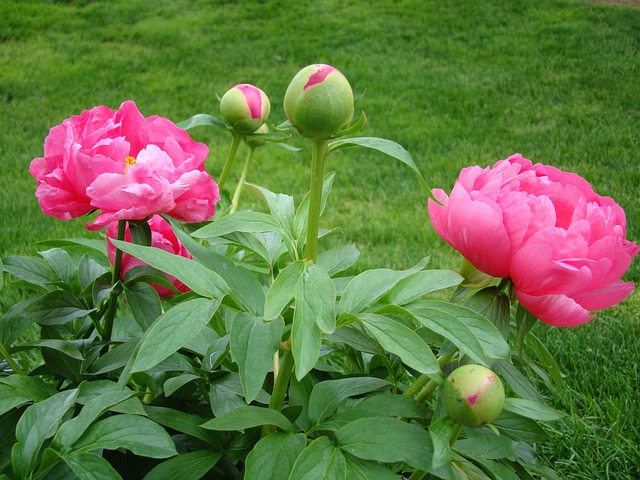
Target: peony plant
point(235, 346)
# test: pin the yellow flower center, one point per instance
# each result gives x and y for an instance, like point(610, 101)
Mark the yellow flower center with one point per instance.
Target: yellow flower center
point(128, 162)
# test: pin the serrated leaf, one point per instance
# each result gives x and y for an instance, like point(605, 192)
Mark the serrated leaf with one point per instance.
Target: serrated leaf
point(273, 457)
point(173, 330)
point(248, 416)
point(253, 343)
point(187, 466)
point(195, 276)
point(137, 434)
point(401, 341)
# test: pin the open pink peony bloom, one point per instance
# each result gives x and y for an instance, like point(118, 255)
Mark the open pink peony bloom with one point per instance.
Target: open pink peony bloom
point(125, 165)
point(162, 237)
point(562, 245)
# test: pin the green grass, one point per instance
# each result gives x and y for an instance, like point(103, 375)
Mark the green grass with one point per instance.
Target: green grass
point(456, 83)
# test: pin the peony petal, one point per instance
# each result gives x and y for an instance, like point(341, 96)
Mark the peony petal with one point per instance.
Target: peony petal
point(605, 297)
point(556, 310)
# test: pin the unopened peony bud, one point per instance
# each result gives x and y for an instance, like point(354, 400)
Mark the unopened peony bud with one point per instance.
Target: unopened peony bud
point(255, 142)
point(473, 395)
point(319, 101)
point(245, 108)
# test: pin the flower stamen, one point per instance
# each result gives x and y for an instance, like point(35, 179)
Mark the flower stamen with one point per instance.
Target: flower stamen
point(127, 163)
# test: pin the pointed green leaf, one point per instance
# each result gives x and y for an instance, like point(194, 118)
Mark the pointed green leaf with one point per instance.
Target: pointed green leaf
point(183, 422)
point(17, 390)
point(32, 270)
point(144, 302)
point(421, 283)
point(172, 331)
point(338, 259)
point(272, 458)
point(248, 222)
point(387, 440)
point(57, 308)
point(201, 119)
point(89, 466)
point(137, 434)
point(533, 410)
point(486, 444)
point(195, 276)
point(327, 395)
point(370, 285)
point(249, 416)
point(402, 341)
point(253, 343)
point(282, 290)
point(320, 460)
point(61, 263)
point(187, 466)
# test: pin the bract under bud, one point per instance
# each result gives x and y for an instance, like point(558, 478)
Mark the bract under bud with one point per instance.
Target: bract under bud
point(245, 108)
point(473, 395)
point(255, 142)
point(319, 101)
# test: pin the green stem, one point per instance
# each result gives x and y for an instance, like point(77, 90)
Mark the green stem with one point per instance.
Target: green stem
point(243, 177)
point(418, 475)
point(426, 392)
point(282, 381)
point(232, 155)
point(10, 361)
point(318, 154)
point(115, 278)
point(455, 433)
point(423, 386)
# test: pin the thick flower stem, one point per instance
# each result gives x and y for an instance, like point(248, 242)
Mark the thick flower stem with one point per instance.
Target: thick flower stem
point(318, 154)
point(237, 138)
point(115, 278)
point(281, 384)
point(422, 387)
point(10, 361)
point(243, 177)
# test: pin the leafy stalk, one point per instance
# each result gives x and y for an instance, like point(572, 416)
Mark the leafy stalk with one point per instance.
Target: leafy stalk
point(237, 138)
point(115, 278)
point(318, 154)
point(243, 177)
point(12, 363)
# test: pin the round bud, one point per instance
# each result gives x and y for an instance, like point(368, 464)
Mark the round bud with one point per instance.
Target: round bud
point(319, 101)
point(245, 108)
point(473, 395)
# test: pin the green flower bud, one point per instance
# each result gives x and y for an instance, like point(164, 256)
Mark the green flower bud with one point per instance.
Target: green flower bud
point(255, 142)
point(473, 395)
point(319, 101)
point(245, 108)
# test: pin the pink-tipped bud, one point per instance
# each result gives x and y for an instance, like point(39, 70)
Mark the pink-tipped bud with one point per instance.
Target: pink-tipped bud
point(473, 395)
point(319, 101)
point(245, 108)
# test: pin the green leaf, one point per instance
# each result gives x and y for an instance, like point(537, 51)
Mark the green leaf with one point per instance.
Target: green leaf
point(420, 283)
point(517, 381)
point(387, 147)
point(282, 290)
point(63, 346)
point(358, 469)
point(137, 434)
point(1, 274)
point(172, 331)
point(32, 270)
point(486, 332)
point(253, 343)
point(15, 322)
point(180, 421)
point(17, 390)
point(71, 430)
point(338, 259)
point(244, 221)
point(440, 433)
point(320, 460)
point(187, 466)
point(401, 341)
point(57, 308)
point(519, 428)
point(355, 126)
point(486, 444)
point(89, 466)
point(61, 263)
point(225, 394)
point(144, 302)
point(452, 328)
point(370, 285)
point(493, 303)
point(201, 119)
point(387, 440)
point(195, 276)
point(245, 288)
point(273, 457)
point(546, 359)
point(89, 270)
point(327, 395)
point(532, 410)
point(38, 423)
point(249, 416)
point(280, 205)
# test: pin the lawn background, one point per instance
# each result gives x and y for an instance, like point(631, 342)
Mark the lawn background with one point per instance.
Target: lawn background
point(455, 82)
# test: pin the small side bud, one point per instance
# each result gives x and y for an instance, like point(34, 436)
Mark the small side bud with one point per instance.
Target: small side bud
point(473, 395)
point(245, 108)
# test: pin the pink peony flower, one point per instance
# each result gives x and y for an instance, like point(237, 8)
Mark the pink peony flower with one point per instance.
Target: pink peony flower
point(125, 165)
point(562, 245)
point(162, 237)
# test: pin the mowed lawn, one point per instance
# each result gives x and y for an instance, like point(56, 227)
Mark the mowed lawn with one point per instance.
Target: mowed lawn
point(456, 83)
